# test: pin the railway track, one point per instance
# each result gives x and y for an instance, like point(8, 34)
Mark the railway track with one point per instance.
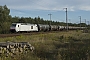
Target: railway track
point(8, 35)
point(31, 33)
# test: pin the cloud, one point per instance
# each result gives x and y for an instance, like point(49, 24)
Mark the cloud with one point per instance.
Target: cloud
point(58, 5)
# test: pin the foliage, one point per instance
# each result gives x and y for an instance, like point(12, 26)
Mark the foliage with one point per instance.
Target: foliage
point(5, 19)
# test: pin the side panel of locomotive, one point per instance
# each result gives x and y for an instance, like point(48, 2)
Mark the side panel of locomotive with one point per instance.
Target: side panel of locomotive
point(23, 27)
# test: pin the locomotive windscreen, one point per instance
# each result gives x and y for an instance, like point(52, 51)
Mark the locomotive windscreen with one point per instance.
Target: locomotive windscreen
point(13, 25)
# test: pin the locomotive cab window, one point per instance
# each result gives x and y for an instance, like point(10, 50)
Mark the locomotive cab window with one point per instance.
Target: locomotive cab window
point(13, 25)
point(31, 27)
point(18, 25)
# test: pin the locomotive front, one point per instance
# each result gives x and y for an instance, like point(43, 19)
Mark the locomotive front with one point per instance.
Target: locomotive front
point(13, 27)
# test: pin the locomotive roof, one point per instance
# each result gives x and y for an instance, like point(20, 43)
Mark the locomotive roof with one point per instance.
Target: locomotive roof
point(24, 23)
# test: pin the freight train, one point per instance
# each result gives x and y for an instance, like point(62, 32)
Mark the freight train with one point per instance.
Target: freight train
point(27, 27)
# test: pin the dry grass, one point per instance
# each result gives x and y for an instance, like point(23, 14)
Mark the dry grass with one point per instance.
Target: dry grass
point(48, 46)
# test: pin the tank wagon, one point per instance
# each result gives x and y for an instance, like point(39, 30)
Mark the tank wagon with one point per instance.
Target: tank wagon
point(61, 28)
point(27, 27)
point(42, 27)
point(54, 27)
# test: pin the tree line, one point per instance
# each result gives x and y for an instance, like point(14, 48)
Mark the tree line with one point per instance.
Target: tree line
point(6, 20)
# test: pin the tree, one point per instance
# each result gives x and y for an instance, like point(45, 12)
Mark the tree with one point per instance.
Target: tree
point(4, 14)
point(5, 19)
point(15, 19)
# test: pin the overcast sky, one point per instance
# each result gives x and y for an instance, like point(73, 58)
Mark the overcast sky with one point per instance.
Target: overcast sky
point(35, 8)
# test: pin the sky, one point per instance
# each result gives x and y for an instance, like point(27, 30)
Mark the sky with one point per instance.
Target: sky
point(41, 8)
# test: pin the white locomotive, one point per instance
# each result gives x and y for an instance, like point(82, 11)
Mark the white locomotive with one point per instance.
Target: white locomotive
point(22, 27)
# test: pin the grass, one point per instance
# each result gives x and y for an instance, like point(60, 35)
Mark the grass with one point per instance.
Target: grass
point(69, 45)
